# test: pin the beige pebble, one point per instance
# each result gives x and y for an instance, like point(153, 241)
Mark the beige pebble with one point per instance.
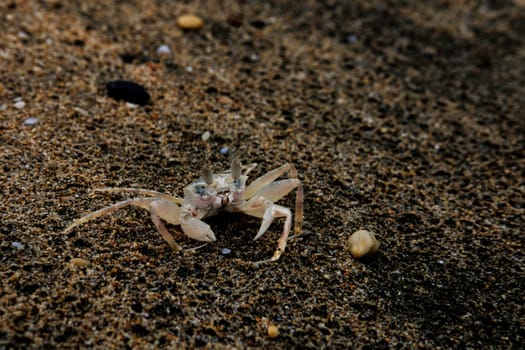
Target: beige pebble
point(273, 331)
point(205, 136)
point(362, 243)
point(189, 22)
point(225, 100)
point(79, 262)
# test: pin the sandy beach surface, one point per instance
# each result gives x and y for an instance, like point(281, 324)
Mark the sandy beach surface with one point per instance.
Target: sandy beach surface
point(404, 118)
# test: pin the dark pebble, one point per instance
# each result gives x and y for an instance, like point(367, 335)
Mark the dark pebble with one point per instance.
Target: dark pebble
point(258, 24)
point(128, 91)
point(234, 20)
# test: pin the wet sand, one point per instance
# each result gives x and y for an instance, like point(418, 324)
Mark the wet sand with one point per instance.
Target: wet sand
point(402, 119)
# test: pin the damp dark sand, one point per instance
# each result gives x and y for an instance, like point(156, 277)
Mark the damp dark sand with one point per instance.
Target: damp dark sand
point(405, 119)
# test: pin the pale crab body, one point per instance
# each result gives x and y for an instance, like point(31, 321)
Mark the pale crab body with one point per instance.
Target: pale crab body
point(212, 194)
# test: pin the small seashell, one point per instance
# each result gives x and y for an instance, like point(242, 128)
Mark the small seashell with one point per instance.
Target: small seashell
point(362, 243)
point(189, 22)
point(273, 331)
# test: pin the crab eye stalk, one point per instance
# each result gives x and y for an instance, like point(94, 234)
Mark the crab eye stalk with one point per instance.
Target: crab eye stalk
point(236, 169)
point(207, 175)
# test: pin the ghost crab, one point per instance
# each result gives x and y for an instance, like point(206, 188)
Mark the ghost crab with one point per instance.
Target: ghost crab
point(214, 193)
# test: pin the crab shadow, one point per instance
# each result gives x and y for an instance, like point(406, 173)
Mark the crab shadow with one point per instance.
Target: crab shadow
point(235, 234)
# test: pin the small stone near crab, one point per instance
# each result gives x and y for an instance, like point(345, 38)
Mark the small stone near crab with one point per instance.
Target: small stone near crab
point(362, 243)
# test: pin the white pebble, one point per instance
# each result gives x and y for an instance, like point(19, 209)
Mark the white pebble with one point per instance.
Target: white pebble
point(189, 69)
point(20, 104)
point(163, 50)
point(362, 243)
point(205, 136)
point(351, 39)
point(31, 121)
point(17, 245)
point(226, 251)
point(224, 151)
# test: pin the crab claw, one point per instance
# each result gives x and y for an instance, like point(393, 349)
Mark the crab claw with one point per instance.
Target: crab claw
point(198, 230)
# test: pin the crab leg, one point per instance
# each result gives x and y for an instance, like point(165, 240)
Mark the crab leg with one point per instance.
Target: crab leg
point(271, 212)
point(267, 178)
point(143, 192)
point(299, 198)
point(274, 191)
point(249, 168)
point(274, 211)
point(158, 208)
point(279, 189)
